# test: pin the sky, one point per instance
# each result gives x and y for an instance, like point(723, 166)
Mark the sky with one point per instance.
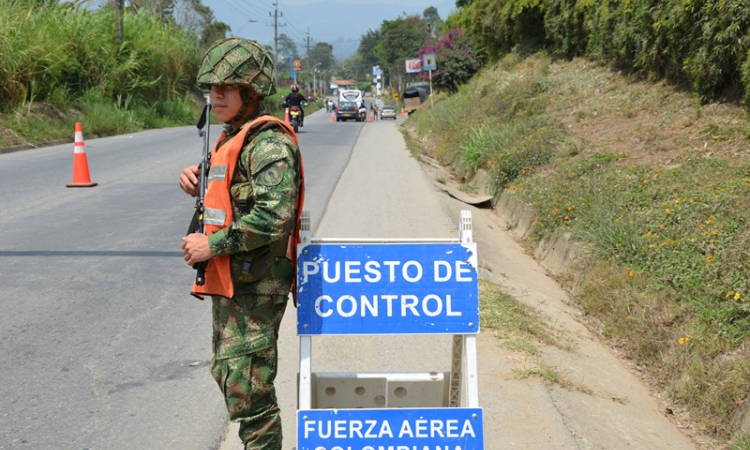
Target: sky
point(340, 23)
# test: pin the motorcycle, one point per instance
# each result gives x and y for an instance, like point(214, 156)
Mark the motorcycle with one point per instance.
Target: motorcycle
point(295, 116)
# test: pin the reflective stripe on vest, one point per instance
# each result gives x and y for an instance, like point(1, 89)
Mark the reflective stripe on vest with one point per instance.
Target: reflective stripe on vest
point(218, 205)
point(217, 173)
point(215, 217)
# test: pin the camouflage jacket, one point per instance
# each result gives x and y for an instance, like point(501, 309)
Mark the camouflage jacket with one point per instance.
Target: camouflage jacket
point(263, 192)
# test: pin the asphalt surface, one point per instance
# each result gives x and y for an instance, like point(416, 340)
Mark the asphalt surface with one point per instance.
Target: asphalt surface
point(101, 345)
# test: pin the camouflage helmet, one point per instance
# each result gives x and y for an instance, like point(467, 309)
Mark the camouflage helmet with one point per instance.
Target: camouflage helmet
point(238, 61)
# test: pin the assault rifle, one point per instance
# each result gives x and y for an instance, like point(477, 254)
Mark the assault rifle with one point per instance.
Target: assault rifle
point(196, 224)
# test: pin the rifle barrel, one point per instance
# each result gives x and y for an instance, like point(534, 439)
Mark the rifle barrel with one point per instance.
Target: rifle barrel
point(204, 125)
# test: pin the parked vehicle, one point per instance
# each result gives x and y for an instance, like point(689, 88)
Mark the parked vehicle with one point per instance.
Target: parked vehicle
point(346, 111)
point(415, 95)
point(388, 112)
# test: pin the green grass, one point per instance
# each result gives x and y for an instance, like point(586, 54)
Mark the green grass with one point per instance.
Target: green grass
point(62, 63)
point(38, 123)
point(515, 322)
point(655, 190)
point(741, 442)
point(496, 122)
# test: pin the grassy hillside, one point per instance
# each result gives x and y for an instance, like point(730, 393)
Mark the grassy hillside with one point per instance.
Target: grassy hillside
point(702, 44)
point(63, 63)
point(653, 185)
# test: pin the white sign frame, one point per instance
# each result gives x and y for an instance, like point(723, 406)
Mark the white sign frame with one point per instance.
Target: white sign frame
point(464, 345)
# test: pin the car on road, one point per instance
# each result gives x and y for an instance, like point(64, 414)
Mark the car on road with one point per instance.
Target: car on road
point(388, 112)
point(346, 111)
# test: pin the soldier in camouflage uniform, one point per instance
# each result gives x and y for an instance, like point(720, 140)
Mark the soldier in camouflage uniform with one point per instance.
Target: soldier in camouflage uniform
point(263, 191)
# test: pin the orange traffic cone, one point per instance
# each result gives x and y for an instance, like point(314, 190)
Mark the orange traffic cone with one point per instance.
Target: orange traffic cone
point(371, 117)
point(403, 113)
point(333, 116)
point(81, 176)
point(286, 115)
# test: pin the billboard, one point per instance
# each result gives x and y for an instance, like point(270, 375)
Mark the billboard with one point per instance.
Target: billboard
point(413, 65)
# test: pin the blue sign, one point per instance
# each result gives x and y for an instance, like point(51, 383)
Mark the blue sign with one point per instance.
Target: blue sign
point(376, 70)
point(429, 61)
point(377, 429)
point(387, 289)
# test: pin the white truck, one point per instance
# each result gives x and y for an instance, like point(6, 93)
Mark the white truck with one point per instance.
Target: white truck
point(352, 95)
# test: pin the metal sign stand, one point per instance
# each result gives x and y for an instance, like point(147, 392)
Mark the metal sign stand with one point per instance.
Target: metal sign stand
point(464, 432)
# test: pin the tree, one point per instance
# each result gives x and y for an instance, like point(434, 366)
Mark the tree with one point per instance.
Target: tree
point(402, 40)
point(431, 16)
point(287, 48)
point(366, 49)
point(456, 61)
point(192, 16)
point(163, 9)
point(322, 53)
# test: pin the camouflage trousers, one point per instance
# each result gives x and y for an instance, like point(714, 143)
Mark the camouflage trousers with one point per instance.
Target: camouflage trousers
point(244, 364)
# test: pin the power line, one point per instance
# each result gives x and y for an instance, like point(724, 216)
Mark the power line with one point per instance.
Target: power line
point(276, 26)
point(236, 5)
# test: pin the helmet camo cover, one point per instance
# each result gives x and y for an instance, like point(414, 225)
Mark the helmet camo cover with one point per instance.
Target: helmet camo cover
point(238, 61)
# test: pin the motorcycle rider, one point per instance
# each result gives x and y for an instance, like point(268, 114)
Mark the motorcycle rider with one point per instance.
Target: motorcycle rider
point(296, 99)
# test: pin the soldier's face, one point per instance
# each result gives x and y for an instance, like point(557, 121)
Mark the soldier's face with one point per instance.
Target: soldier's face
point(226, 101)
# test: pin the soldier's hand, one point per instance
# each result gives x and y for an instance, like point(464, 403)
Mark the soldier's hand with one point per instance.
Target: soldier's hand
point(195, 248)
point(189, 180)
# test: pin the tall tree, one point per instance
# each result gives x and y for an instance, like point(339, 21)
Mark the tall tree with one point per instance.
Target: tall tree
point(287, 48)
point(163, 9)
point(431, 16)
point(322, 53)
point(192, 16)
point(366, 49)
point(402, 40)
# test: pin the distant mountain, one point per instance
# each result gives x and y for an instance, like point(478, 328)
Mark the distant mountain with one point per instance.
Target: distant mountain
point(337, 23)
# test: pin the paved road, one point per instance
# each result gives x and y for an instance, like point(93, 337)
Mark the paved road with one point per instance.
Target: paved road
point(101, 347)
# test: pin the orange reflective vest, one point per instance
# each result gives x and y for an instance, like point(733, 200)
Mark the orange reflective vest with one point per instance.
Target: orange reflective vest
point(218, 208)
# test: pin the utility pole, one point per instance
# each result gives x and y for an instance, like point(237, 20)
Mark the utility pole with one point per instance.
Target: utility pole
point(119, 13)
point(276, 26)
point(309, 68)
